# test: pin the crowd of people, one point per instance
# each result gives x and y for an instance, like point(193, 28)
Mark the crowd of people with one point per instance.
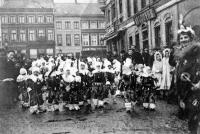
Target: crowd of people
point(56, 83)
point(66, 83)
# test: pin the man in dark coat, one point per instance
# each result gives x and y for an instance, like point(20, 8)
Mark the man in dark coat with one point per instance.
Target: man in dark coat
point(146, 57)
point(136, 56)
point(8, 86)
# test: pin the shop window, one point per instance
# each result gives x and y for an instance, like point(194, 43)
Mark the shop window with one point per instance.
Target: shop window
point(137, 41)
point(145, 38)
point(49, 51)
point(33, 53)
point(157, 36)
point(169, 33)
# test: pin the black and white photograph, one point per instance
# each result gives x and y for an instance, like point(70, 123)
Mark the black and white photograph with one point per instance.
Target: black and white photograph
point(99, 66)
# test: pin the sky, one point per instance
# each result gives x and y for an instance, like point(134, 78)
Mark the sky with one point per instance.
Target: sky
point(71, 1)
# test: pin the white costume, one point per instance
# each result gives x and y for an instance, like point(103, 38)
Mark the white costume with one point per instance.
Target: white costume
point(157, 68)
point(166, 69)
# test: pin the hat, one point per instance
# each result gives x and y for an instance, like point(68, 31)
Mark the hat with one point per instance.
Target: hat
point(23, 71)
point(184, 29)
point(35, 69)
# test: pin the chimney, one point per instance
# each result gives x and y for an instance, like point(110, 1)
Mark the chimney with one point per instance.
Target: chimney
point(75, 1)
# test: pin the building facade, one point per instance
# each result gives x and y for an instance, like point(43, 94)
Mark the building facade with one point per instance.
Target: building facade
point(79, 32)
point(147, 23)
point(28, 27)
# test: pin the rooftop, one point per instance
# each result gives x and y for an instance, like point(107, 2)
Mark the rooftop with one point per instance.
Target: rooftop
point(28, 4)
point(78, 9)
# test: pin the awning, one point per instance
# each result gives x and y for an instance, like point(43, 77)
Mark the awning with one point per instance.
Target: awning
point(127, 26)
point(111, 37)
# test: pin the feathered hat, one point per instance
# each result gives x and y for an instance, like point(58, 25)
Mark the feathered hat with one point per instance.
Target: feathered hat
point(184, 29)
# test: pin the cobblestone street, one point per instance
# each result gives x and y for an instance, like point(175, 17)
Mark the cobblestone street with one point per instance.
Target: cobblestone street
point(114, 120)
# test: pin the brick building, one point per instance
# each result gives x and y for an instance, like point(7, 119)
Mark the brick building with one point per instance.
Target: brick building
point(80, 28)
point(147, 23)
point(27, 26)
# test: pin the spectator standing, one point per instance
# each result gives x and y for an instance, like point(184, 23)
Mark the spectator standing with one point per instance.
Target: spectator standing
point(136, 56)
point(146, 57)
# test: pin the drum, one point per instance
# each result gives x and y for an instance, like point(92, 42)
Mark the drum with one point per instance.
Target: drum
point(110, 77)
point(99, 77)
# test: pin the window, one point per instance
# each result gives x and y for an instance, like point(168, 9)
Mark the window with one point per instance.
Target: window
point(85, 39)
point(157, 36)
point(137, 41)
point(101, 25)
point(4, 19)
point(68, 39)
point(109, 14)
point(49, 51)
point(31, 19)
point(77, 40)
point(59, 39)
point(101, 42)
point(40, 19)
point(33, 53)
point(130, 41)
point(67, 25)
point(135, 6)
point(59, 25)
point(85, 25)
point(32, 35)
point(12, 19)
point(4, 34)
point(76, 25)
point(49, 19)
point(169, 33)
point(13, 35)
point(113, 10)
point(93, 25)
point(93, 39)
point(120, 6)
point(22, 35)
point(145, 37)
point(128, 8)
point(41, 33)
point(50, 34)
point(143, 3)
point(21, 19)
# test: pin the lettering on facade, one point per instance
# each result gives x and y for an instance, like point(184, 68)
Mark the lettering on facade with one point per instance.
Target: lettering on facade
point(145, 16)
